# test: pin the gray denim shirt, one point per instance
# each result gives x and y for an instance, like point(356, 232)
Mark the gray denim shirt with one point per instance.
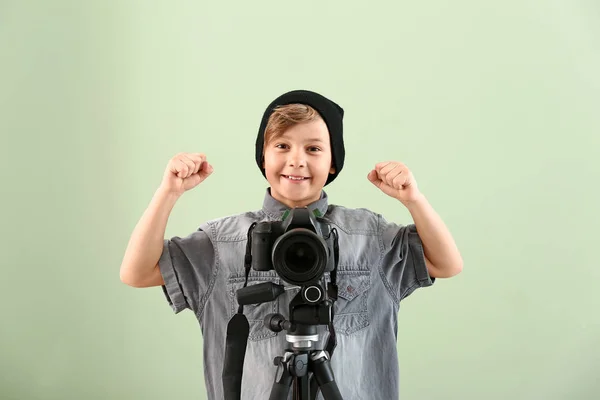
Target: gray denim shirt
point(380, 264)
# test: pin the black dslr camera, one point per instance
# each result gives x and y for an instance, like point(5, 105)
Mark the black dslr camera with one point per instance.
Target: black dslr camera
point(299, 248)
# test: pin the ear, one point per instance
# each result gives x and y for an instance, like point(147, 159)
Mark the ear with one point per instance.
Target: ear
point(332, 170)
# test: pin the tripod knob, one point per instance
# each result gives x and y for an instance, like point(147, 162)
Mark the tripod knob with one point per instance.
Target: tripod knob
point(276, 322)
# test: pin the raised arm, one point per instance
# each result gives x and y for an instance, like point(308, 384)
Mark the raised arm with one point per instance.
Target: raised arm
point(139, 267)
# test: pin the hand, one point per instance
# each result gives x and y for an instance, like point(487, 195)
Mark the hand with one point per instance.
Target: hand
point(395, 180)
point(185, 171)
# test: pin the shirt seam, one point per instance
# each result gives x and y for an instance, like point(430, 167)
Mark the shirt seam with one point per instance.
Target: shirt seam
point(213, 279)
point(386, 282)
point(409, 289)
point(178, 298)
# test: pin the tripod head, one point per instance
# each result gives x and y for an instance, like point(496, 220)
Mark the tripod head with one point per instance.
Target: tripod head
point(312, 306)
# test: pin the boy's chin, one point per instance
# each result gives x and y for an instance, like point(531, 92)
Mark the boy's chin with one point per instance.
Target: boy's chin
point(299, 198)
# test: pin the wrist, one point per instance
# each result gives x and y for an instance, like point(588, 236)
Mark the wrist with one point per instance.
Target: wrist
point(417, 202)
point(163, 194)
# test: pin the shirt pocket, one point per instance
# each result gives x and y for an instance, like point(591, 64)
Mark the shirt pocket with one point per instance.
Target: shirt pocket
point(351, 313)
point(255, 313)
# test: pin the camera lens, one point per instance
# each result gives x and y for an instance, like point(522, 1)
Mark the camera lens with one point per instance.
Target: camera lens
point(299, 256)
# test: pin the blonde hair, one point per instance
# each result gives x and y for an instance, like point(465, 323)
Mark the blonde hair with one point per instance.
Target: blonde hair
point(286, 116)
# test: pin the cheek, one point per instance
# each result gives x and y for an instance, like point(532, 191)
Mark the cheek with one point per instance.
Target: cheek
point(271, 166)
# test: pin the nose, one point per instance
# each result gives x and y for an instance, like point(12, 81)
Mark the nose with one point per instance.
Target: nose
point(296, 159)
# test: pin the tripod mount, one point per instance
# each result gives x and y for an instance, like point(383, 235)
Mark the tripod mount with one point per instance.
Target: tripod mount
point(300, 360)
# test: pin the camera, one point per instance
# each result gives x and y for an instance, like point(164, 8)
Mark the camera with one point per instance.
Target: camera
point(299, 248)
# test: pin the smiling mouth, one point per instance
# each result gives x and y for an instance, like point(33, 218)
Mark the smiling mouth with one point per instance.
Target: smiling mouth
point(295, 178)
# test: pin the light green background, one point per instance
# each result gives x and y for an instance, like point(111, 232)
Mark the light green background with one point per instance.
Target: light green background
point(493, 105)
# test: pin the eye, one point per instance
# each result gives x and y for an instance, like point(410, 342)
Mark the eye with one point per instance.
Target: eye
point(314, 148)
point(280, 145)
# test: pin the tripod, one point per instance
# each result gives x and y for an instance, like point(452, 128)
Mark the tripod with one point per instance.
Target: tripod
point(298, 361)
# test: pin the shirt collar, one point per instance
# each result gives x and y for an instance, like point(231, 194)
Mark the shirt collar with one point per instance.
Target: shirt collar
point(276, 209)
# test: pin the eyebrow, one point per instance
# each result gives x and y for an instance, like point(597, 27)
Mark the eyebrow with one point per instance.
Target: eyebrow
point(315, 139)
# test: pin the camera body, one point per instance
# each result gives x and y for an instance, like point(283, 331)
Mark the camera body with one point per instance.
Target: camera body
point(300, 248)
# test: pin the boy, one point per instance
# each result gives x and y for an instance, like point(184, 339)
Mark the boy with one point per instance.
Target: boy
point(299, 149)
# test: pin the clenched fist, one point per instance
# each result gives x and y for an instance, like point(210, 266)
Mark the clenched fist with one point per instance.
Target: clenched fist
point(185, 171)
point(396, 180)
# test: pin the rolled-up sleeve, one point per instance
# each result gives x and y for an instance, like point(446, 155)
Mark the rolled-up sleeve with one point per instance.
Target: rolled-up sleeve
point(187, 265)
point(403, 259)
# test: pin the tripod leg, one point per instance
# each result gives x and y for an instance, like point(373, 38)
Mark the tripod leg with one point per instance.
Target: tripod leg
point(314, 387)
point(324, 375)
point(303, 388)
point(281, 386)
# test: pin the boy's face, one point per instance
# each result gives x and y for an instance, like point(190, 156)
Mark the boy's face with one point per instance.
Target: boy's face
point(298, 163)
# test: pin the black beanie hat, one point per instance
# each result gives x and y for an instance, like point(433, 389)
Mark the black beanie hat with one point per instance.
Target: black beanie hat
point(331, 113)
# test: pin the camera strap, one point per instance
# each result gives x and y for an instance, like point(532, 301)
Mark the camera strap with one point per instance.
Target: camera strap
point(332, 292)
point(236, 340)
